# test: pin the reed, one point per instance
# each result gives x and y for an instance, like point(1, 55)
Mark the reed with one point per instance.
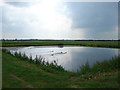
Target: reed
point(38, 60)
point(100, 67)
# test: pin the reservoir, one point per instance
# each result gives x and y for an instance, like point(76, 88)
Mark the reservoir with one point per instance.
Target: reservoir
point(69, 57)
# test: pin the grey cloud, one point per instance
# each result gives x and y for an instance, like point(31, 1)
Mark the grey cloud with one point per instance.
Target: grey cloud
point(99, 16)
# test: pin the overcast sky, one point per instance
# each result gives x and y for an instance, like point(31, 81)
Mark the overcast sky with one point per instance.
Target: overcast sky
point(60, 20)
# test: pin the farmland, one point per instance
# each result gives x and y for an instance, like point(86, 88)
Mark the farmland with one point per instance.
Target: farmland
point(91, 43)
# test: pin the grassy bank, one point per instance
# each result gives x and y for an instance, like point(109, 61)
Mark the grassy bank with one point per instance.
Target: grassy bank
point(92, 43)
point(21, 73)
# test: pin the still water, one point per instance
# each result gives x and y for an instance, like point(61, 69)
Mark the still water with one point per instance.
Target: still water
point(69, 57)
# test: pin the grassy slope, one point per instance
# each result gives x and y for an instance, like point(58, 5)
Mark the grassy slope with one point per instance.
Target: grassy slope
point(22, 74)
point(112, 44)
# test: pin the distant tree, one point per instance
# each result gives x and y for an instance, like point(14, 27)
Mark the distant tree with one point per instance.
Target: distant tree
point(15, 39)
point(3, 39)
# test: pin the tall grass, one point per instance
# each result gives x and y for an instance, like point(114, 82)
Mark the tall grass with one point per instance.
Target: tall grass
point(38, 60)
point(100, 67)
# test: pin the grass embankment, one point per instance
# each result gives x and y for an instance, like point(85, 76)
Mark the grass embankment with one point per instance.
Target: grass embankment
point(92, 43)
point(22, 73)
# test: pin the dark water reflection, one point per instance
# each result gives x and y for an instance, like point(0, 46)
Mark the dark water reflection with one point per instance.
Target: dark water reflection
point(70, 57)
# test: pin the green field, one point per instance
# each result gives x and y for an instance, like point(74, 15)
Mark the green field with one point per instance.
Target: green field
point(92, 43)
point(19, 73)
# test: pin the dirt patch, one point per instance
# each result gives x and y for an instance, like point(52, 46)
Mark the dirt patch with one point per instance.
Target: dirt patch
point(72, 78)
point(104, 75)
point(22, 81)
point(74, 86)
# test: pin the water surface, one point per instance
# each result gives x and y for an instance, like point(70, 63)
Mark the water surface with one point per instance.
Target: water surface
point(69, 57)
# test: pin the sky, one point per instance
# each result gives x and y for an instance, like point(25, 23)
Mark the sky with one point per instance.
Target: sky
point(59, 20)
